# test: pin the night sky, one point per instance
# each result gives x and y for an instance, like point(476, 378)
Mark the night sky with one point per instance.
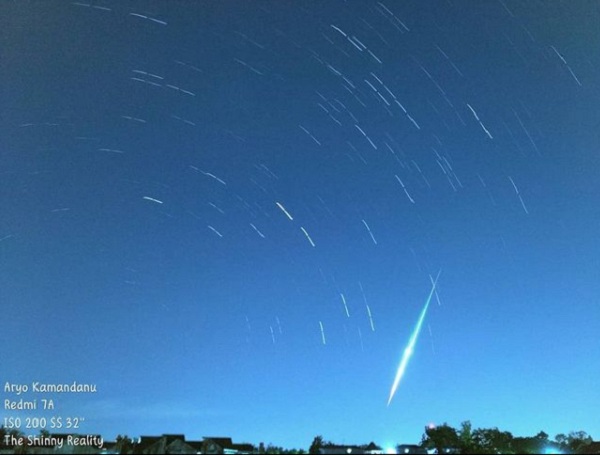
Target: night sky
point(227, 215)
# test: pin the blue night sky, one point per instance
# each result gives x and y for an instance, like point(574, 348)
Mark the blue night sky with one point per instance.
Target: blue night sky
point(149, 152)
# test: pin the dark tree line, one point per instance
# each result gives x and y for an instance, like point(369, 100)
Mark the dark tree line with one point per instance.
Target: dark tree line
point(467, 440)
point(492, 440)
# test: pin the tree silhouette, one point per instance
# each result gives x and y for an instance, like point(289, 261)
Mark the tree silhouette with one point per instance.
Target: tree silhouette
point(441, 437)
point(124, 444)
point(492, 440)
point(465, 436)
point(542, 436)
point(574, 441)
point(316, 444)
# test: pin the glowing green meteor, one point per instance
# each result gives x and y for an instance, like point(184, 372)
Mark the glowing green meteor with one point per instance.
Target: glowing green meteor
point(411, 343)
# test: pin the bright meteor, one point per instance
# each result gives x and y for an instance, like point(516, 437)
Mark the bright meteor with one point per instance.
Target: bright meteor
point(411, 343)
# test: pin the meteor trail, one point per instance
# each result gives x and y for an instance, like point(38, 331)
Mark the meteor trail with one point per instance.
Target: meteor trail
point(411, 344)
